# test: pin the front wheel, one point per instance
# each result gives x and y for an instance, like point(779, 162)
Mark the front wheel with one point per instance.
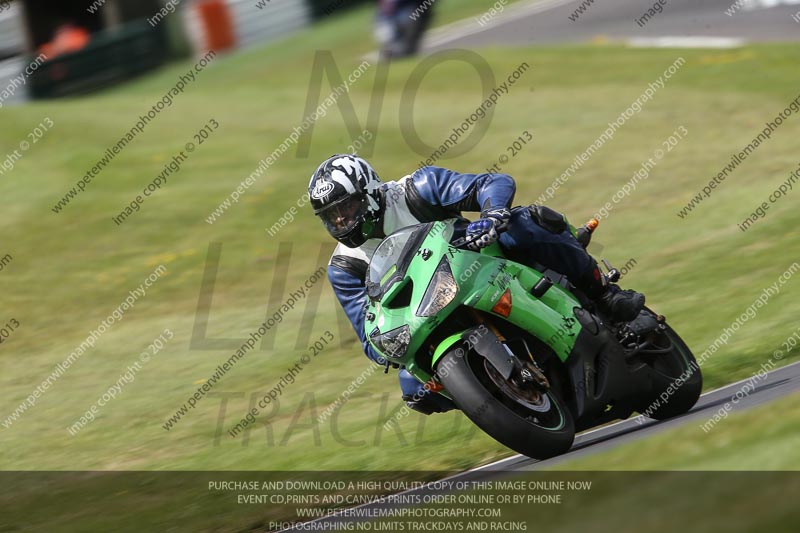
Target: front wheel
point(533, 423)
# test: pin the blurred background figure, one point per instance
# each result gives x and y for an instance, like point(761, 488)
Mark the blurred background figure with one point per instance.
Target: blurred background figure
point(81, 46)
point(68, 37)
point(400, 25)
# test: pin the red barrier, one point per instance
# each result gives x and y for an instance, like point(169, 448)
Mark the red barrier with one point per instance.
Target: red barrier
point(218, 25)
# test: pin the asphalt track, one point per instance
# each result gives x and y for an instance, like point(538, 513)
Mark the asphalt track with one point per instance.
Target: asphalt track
point(681, 23)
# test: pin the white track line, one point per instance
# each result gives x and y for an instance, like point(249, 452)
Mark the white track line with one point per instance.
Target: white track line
point(680, 41)
point(465, 27)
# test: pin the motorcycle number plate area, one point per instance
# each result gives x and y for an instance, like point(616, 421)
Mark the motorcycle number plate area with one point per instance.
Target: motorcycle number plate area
point(490, 347)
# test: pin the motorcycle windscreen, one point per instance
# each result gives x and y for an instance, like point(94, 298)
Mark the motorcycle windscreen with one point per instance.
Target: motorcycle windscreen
point(392, 257)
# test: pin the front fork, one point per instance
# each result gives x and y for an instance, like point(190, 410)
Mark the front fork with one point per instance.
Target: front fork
point(526, 371)
point(488, 342)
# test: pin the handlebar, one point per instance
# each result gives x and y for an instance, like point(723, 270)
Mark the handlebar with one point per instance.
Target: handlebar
point(461, 242)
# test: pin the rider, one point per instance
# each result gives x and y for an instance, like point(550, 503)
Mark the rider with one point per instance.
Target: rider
point(401, 24)
point(358, 210)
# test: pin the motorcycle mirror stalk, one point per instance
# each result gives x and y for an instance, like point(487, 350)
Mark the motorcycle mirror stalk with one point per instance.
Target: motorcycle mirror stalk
point(584, 237)
point(612, 273)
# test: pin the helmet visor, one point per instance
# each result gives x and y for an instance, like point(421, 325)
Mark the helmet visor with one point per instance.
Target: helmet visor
point(343, 216)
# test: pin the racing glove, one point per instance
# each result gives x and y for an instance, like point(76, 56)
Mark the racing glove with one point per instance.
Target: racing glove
point(483, 231)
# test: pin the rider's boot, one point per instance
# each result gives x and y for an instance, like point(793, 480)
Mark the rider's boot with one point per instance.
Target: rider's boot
point(622, 305)
point(420, 398)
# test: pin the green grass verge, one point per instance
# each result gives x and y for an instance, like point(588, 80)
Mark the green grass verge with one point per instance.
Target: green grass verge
point(686, 479)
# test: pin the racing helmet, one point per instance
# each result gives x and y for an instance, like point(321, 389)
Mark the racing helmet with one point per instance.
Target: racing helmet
point(346, 195)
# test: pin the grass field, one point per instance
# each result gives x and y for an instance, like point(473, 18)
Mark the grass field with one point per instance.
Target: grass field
point(71, 270)
point(682, 478)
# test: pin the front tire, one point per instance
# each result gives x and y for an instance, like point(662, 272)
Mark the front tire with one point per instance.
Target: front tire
point(539, 428)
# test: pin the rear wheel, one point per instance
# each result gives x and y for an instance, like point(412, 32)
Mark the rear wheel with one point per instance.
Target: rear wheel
point(520, 416)
point(678, 380)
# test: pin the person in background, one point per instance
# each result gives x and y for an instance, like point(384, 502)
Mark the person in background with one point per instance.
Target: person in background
point(401, 24)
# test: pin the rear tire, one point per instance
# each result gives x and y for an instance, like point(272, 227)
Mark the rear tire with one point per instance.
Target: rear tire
point(540, 429)
point(669, 368)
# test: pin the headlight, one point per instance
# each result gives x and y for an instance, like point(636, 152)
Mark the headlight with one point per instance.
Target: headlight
point(440, 292)
point(393, 343)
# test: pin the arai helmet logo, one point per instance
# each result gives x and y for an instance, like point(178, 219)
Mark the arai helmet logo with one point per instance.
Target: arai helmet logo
point(322, 189)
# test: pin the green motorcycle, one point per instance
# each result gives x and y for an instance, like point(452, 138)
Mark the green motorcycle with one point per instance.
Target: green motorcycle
point(519, 350)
